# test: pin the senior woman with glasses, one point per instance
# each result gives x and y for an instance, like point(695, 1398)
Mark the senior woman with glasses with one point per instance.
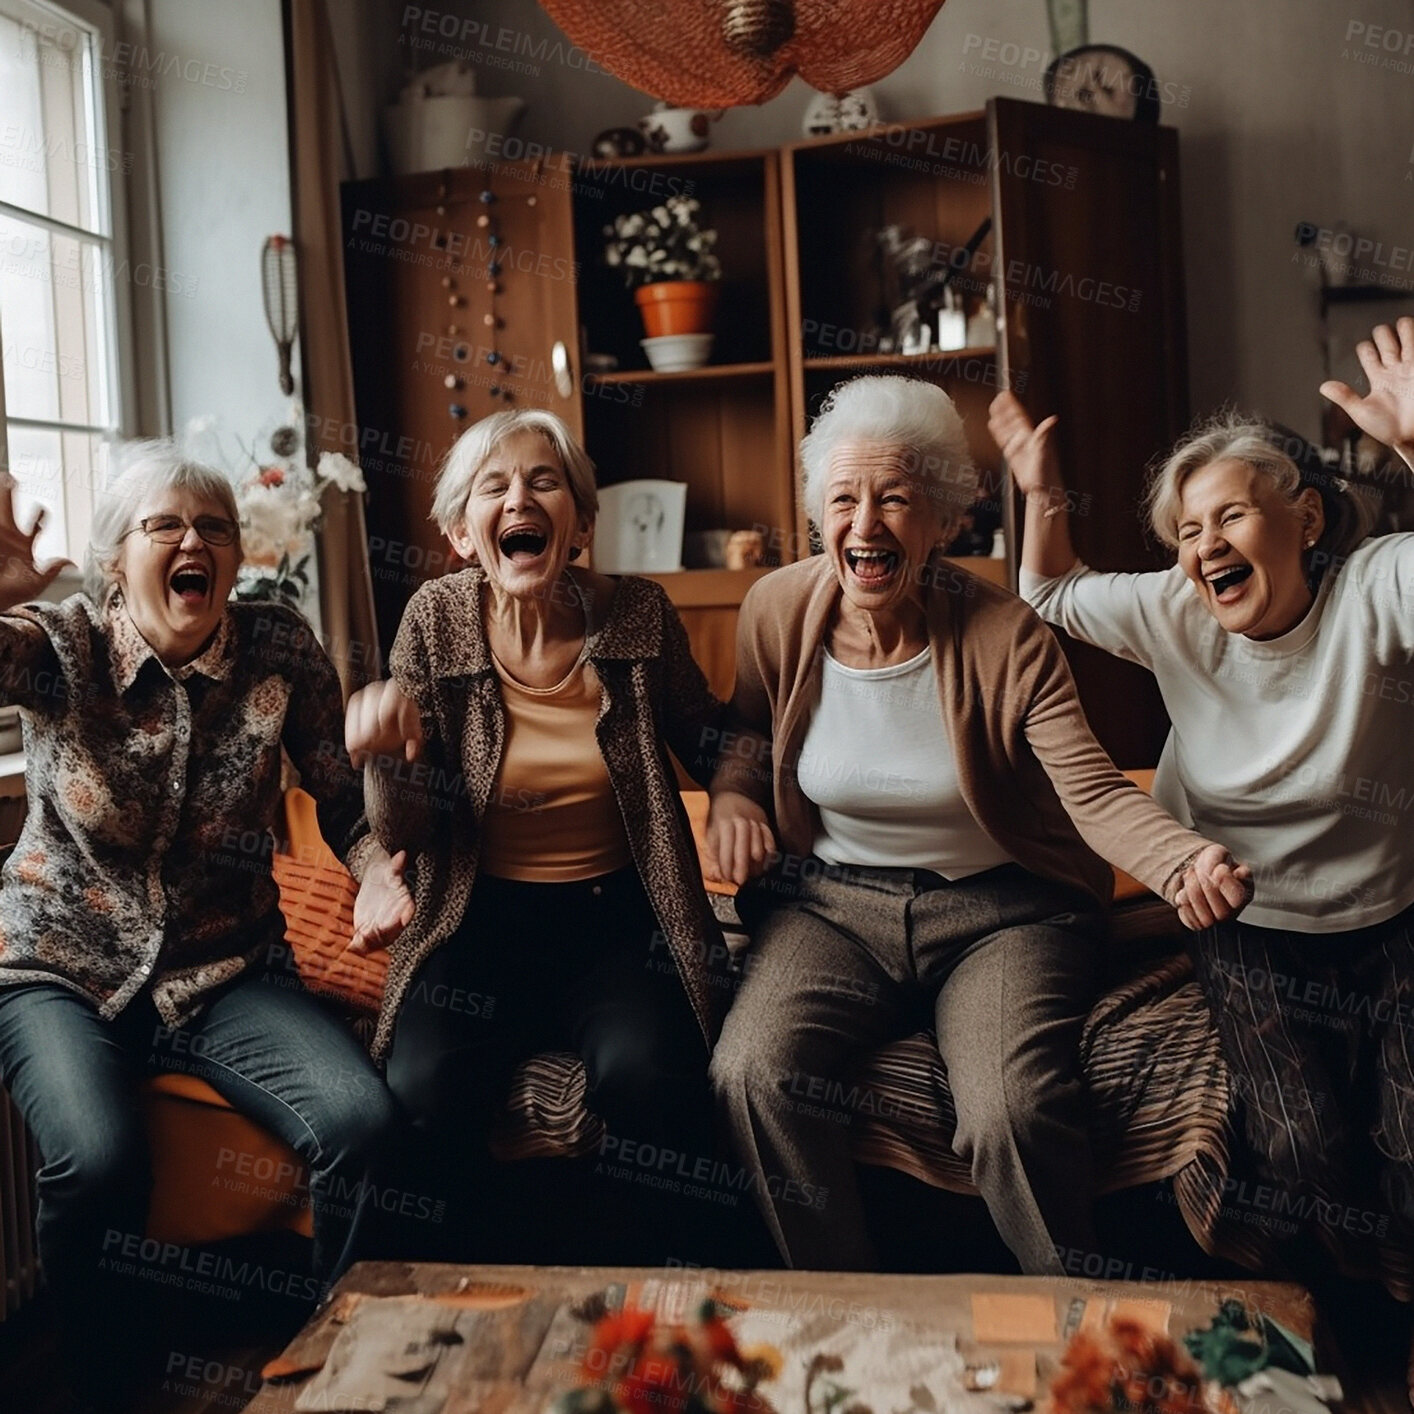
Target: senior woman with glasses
point(138, 930)
point(937, 794)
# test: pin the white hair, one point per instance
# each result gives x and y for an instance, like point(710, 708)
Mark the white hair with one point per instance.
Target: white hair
point(1290, 464)
point(472, 449)
point(143, 471)
point(903, 412)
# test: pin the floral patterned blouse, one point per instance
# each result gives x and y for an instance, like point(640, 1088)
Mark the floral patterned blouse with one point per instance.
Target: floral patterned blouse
point(145, 855)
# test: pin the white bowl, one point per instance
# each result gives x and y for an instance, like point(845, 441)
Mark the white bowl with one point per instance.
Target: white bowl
point(675, 353)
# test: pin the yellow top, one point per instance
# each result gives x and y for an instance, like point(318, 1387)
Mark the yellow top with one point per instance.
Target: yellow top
point(552, 817)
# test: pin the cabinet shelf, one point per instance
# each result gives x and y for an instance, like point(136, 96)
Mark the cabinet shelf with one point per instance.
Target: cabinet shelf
point(707, 373)
point(934, 358)
point(700, 589)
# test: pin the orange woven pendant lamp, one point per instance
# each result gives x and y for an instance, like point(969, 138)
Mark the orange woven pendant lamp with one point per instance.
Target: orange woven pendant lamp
point(720, 53)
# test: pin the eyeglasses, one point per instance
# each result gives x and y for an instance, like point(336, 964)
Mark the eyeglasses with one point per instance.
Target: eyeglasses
point(172, 530)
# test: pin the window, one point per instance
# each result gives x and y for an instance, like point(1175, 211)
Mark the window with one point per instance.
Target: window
point(62, 301)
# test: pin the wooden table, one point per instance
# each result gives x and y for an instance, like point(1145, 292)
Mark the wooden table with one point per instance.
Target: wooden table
point(935, 1301)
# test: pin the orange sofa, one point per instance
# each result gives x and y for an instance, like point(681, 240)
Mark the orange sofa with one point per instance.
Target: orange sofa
point(219, 1175)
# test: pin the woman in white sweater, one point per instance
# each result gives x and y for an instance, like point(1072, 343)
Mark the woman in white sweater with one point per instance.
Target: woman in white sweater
point(1284, 649)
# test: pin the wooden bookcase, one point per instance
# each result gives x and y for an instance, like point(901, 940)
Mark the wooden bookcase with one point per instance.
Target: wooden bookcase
point(1080, 208)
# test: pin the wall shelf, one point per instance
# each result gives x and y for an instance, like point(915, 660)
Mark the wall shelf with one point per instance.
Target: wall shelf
point(707, 373)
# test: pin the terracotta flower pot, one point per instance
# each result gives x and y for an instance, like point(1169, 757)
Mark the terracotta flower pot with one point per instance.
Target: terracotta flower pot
point(677, 307)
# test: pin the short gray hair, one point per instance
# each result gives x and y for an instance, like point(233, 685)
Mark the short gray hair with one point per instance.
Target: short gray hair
point(475, 446)
point(904, 412)
point(143, 470)
point(1288, 461)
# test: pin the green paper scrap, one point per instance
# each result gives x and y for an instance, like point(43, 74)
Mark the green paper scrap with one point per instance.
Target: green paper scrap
point(1230, 1350)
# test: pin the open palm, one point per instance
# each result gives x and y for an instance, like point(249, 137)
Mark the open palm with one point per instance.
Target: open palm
point(21, 578)
point(1386, 412)
point(384, 905)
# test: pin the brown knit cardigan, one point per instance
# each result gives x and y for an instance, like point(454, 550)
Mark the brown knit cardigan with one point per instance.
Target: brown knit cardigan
point(1030, 770)
point(654, 697)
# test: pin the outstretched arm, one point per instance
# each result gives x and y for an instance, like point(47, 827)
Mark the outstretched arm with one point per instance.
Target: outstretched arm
point(1114, 817)
point(1386, 412)
point(1031, 459)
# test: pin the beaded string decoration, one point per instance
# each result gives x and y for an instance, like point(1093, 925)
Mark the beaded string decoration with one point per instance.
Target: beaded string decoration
point(489, 233)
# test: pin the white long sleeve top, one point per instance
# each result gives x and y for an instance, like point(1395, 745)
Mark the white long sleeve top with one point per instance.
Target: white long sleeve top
point(1297, 752)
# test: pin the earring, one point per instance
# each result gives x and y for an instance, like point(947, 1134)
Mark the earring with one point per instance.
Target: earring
point(576, 551)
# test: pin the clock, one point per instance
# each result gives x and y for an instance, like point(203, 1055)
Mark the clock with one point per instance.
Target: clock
point(1104, 79)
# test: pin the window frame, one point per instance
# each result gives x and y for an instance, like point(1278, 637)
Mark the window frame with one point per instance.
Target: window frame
point(124, 136)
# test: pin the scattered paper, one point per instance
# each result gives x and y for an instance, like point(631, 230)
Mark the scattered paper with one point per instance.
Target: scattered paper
point(408, 1354)
point(889, 1364)
point(1018, 1374)
point(1003, 1318)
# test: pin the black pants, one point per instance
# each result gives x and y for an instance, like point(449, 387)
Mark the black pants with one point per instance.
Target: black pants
point(1318, 1033)
point(578, 967)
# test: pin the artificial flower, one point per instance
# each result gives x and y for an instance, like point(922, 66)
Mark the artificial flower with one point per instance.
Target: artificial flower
point(336, 469)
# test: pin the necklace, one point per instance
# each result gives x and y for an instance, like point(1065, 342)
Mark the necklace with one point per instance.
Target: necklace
point(581, 657)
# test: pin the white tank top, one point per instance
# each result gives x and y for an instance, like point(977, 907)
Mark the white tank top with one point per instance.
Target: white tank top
point(878, 766)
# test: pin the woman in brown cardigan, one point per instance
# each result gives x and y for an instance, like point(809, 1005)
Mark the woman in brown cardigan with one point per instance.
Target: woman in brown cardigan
point(519, 754)
point(937, 796)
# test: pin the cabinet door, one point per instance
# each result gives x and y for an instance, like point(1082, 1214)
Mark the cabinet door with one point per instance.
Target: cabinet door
point(424, 323)
point(1089, 268)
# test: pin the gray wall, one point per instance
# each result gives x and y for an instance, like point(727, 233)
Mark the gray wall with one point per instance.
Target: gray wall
point(1279, 124)
point(223, 169)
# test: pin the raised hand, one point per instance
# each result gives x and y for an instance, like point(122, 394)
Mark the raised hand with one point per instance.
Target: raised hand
point(384, 905)
point(739, 840)
point(1028, 449)
point(382, 720)
point(21, 577)
point(1213, 888)
point(1386, 412)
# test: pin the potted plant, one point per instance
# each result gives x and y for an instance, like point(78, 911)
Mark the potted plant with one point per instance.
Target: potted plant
point(670, 263)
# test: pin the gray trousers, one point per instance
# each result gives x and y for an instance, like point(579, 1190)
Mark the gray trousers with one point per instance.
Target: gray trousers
point(1005, 966)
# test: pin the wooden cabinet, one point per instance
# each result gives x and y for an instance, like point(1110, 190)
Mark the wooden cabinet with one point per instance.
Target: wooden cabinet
point(418, 276)
point(1082, 247)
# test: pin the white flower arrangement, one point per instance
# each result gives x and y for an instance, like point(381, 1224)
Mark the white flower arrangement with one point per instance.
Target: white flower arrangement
point(279, 502)
point(663, 243)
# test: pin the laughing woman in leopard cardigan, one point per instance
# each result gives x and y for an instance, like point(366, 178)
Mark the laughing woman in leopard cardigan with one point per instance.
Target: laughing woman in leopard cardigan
point(519, 753)
point(137, 932)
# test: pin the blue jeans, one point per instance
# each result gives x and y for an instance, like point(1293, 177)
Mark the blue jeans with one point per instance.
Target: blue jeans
point(264, 1043)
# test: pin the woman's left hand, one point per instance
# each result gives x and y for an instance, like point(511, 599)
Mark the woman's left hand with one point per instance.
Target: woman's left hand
point(1214, 888)
point(384, 904)
point(1386, 412)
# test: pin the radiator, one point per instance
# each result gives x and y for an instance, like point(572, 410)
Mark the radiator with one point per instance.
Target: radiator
point(19, 1261)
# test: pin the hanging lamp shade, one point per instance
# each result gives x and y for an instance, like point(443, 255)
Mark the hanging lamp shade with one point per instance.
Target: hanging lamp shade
point(720, 53)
